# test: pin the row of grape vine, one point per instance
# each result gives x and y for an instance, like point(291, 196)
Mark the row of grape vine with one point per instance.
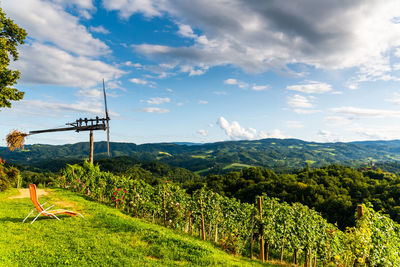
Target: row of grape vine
point(292, 232)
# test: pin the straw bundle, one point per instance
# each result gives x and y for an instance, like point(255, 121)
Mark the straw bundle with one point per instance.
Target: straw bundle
point(15, 140)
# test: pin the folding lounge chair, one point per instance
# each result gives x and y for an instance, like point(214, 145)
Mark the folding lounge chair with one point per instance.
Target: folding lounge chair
point(45, 212)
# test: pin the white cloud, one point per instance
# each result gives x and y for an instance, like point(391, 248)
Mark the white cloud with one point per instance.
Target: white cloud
point(85, 14)
point(139, 81)
point(374, 132)
point(82, 4)
point(99, 29)
point(312, 87)
point(159, 71)
point(116, 84)
point(90, 93)
point(43, 64)
point(261, 35)
point(126, 8)
point(276, 133)
point(84, 107)
point(259, 87)
point(378, 133)
point(130, 64)
point(231, 81)
point(328, 136)
point(48, 22)
point(236, 132)
point(336, 121)
point(395, 98)
point(366, 112)
point(203, 102)
point(186, 31)
point(203, 132)
point(306, 111)
point(240, 84)
point(324, 134)
point(298, 101)
point(60, 50)
point(294, 124)
point(154, 110)
point(158, 100)
point(64, 107)
point(194, 71)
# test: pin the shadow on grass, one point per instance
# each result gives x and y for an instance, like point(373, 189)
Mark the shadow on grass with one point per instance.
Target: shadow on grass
point(30, 219)
point(11, 219)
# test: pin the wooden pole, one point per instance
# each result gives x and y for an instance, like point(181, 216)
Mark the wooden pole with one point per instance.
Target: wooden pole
point(210, 231)
point(252, 237)
point(91, 147)
point(360, 211)
point(305, 257)
point(203, 228)
point(216, 233)
point(261, 231)
point(164, 208)
point(190, 223)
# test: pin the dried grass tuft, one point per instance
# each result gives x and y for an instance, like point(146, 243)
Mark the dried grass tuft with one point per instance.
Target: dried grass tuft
point(15, 140)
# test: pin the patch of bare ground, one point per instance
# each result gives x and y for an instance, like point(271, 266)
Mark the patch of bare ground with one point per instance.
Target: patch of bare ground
point(24, 193)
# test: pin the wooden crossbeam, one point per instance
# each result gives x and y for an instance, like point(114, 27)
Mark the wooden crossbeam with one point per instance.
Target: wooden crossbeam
point(75, 128)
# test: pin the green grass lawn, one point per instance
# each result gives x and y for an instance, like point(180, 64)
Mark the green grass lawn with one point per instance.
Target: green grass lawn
point(105, 237)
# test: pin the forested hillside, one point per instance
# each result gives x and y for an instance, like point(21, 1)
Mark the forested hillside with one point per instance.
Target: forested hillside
point(281, 155)
point(333, 190)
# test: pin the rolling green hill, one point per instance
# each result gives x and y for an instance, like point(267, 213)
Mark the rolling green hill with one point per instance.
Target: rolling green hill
point(220, 157)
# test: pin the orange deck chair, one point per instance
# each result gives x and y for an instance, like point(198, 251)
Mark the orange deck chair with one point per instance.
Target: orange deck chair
point(45, 212)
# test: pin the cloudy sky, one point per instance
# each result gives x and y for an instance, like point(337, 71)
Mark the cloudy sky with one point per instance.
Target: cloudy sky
point(209, 70)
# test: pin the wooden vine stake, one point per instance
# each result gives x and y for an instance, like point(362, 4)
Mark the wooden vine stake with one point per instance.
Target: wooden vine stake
point(216, 233)
point(252, 237)
point(203, 228)
point(259, 200)
point(164, 208)
point(360, 211)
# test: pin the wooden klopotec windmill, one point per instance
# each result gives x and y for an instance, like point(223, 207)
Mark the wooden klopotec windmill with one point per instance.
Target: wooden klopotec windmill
point(86, 124)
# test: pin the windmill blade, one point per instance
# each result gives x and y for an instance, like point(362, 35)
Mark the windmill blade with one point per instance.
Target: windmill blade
point(107, 119)
point(105, 101)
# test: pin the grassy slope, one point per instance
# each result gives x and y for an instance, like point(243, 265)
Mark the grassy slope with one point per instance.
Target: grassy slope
point(104, 237)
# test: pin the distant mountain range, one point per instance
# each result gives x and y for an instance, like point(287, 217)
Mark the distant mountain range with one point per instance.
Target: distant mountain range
point(277, 154)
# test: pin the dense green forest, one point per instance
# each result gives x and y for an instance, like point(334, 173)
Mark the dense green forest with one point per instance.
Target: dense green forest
point(334, 190)
point(280, 155)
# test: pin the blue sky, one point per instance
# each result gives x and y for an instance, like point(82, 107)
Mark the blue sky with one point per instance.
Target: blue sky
point(205, 71)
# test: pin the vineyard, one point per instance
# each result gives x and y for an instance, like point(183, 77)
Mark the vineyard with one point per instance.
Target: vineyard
point(268, 229)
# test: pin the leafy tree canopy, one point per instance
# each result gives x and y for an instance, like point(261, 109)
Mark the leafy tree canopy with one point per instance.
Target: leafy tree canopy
point(10, 36)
